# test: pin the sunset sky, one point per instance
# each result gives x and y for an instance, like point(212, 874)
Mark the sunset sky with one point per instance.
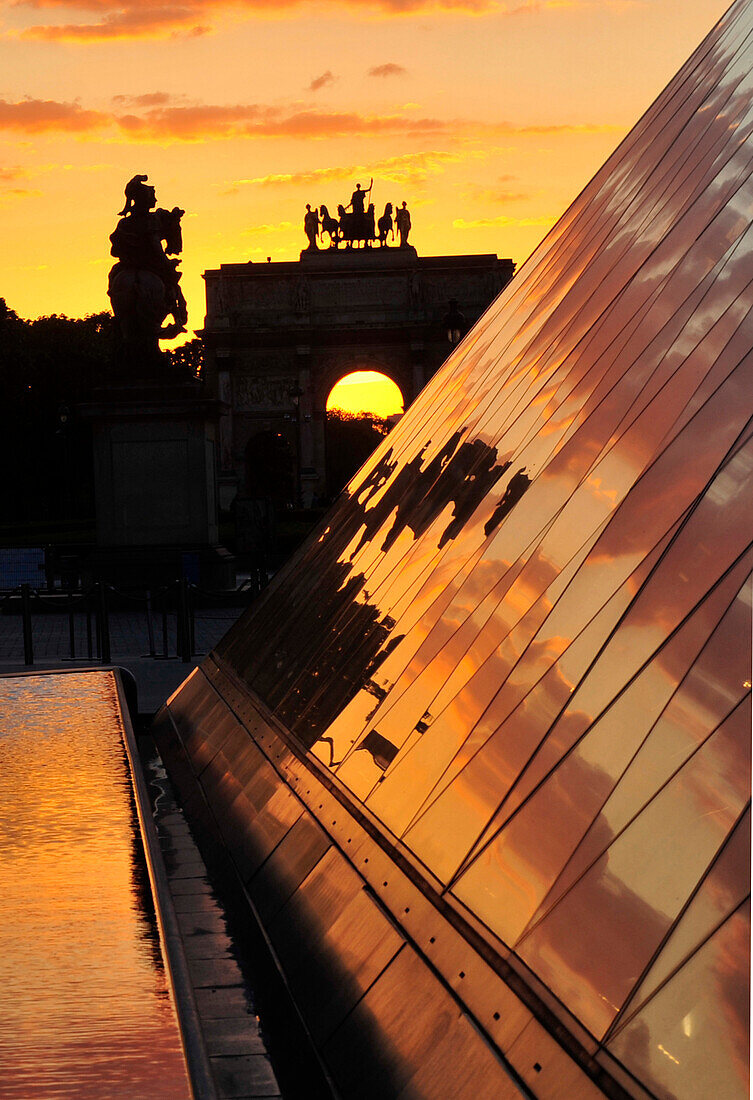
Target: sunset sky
point(486, 116)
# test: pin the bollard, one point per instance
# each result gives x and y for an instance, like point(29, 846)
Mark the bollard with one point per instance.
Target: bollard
point(89, 647)
point(184, 636)
point(191, 620)
point(26, 616)
point(103, 624)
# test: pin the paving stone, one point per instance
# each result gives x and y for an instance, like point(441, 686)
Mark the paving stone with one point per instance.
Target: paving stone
point(181, 886)
point(214, 973)
point(214, 1004)
point(177, 842)
point(202, 924)
point(194, 903)
point(208, 947)
point(178, 856)
point(244, 1076)
point(193, 869)
point(233, 1036)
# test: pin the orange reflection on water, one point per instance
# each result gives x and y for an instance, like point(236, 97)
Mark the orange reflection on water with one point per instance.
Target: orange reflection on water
point(86, 1009)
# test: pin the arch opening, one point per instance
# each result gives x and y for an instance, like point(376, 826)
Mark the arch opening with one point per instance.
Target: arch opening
point(361, 409)
point(366, 392)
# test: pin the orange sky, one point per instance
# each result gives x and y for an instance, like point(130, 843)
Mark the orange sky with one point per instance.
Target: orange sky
point(487, 116)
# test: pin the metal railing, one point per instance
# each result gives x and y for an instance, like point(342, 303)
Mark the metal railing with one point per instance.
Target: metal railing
point(168, 615)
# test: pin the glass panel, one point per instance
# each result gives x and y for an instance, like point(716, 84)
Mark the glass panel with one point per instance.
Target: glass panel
point(537, 711)
point(691, 1039)
point(507, 883)
point(592, 946)
point(698, 707)
point(724, 889)
point(445, 832)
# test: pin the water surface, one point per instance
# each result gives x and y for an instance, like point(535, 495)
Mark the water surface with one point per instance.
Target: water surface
point(85, 1009)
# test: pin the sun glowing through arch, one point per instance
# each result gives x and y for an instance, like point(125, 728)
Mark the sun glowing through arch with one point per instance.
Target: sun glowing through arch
point(366, 391)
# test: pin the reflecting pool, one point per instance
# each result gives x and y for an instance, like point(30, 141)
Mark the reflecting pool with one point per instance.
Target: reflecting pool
point(86, 1008)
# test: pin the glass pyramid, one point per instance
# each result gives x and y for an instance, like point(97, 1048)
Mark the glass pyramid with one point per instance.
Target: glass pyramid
point(521, 640)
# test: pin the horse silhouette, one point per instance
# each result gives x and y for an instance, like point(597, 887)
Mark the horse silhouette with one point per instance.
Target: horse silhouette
point(330, 225)
point(385, 226)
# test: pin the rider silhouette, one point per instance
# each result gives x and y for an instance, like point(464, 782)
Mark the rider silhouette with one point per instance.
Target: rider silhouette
point(358, 199)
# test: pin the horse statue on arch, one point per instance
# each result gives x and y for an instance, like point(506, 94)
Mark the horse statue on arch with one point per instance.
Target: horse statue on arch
point(385, 226)
point(331, 226)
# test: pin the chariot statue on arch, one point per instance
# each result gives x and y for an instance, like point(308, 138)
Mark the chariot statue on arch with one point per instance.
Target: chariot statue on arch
point(144, 285)
point(356, 224)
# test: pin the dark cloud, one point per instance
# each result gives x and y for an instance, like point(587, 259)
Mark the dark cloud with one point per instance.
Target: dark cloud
point(129, 20)
point(176, 121)
point(389, 69)
point(34, 116)
point(149, 99)
point(322, 81)
point(254, 120)
point(118, 19)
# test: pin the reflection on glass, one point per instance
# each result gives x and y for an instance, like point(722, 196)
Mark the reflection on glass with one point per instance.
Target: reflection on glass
point(606, 928)
point(723, 890)
point(86, 1009)
point(691, 1040)
point(604, 781)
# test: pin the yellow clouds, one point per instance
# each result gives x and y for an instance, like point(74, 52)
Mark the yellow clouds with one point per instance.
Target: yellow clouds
point(267, 227)
point(410, 168)
point(10, 178)
point(503, 222)
point(10, 175)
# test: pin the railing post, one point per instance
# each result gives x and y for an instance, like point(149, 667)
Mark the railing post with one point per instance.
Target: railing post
point(26, 616)
point(71, 627)
point(165, 647)
point(150, 624)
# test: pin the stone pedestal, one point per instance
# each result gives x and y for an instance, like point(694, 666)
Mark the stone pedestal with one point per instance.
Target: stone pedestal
point(155, 484)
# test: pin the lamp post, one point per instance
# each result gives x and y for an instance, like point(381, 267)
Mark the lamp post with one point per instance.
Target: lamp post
point(454, 323)
point(295, 393)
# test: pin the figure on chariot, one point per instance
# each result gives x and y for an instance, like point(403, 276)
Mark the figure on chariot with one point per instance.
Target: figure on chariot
point(356, 224)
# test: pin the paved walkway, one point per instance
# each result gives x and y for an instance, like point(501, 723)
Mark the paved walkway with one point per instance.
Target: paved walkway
point(156, 678)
